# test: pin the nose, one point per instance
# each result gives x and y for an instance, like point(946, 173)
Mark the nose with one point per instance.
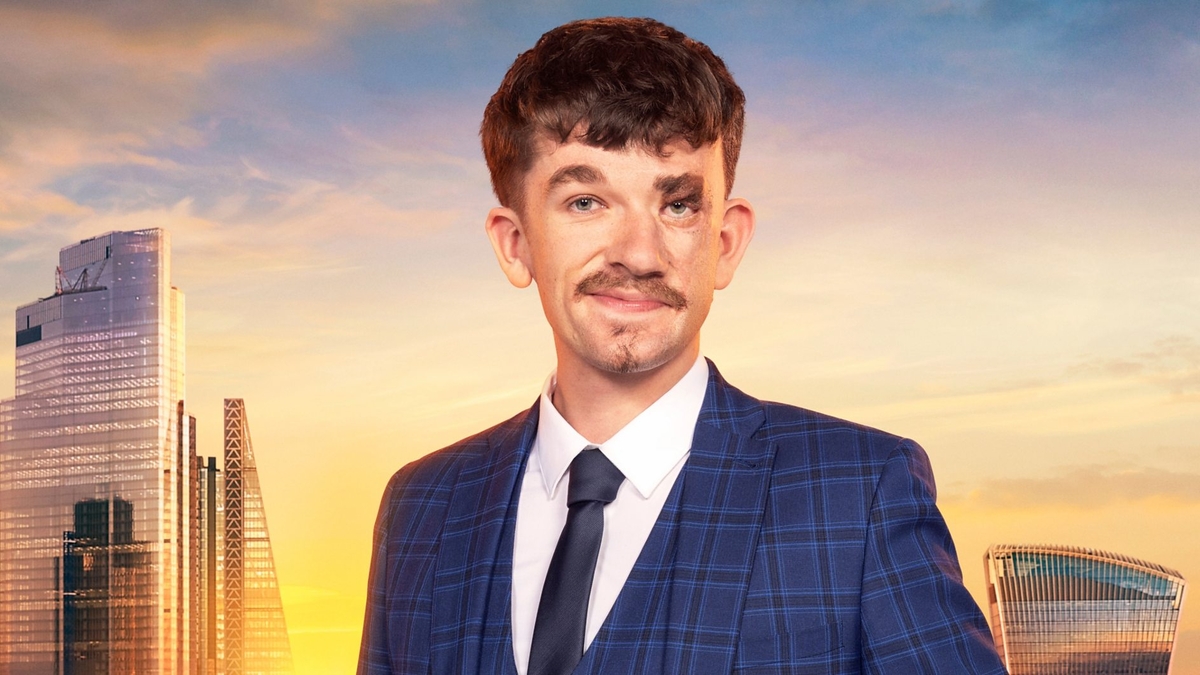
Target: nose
point(638, 244)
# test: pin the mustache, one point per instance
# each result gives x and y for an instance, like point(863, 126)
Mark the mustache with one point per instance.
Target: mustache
point(651, 287)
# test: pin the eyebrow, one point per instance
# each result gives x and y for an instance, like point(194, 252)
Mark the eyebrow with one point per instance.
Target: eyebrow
point(577, 173)
point(672, 185)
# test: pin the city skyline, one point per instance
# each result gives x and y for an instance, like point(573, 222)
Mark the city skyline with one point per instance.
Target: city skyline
point(976, 229)
point(122, 550)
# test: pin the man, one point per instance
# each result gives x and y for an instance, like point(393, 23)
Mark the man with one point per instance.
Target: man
point(644, 516)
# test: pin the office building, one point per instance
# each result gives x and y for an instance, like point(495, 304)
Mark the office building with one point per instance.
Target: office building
point(1065, 610)
point(93, 468)
point(210, 567)
point(255, 635)
point(123, 551)
point(244, 631)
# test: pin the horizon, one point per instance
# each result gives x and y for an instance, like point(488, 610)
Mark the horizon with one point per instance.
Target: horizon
point(977, 229)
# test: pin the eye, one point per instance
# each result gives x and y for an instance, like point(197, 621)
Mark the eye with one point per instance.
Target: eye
point(583, 204)
point(679, 208)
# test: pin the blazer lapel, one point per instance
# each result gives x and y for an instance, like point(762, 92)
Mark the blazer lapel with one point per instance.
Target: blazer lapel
point(472, 592)
point(681, 607)
point(725, 485)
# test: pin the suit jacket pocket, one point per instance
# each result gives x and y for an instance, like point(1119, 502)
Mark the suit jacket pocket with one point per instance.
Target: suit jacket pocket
point(815, 646)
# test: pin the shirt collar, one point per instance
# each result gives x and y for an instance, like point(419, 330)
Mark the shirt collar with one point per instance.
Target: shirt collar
point(644, 450)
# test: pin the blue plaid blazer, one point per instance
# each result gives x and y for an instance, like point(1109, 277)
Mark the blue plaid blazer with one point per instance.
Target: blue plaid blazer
point(792, 542)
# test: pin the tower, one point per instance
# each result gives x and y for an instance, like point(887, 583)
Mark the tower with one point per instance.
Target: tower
point(210, 572)
point(256, 640)
point(1065, 610)
point(95, 469)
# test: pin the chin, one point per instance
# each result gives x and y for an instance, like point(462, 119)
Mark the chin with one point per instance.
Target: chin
point(627, 348)
point(628, 364)
point(626, 359)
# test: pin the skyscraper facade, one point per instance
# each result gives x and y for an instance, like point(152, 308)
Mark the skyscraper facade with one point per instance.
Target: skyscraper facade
point(95, 469)
point(1065, 610)
point(210, 567)
point(255, 634)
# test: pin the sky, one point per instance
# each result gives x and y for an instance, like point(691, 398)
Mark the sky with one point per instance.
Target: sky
point(978, 227)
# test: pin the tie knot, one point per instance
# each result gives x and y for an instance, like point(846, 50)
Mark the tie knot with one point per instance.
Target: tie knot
point(593, 478)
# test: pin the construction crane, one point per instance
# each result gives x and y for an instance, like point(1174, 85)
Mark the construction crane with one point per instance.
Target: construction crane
point(63, 285)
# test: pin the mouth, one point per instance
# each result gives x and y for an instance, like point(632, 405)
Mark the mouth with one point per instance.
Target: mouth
point(630, 293)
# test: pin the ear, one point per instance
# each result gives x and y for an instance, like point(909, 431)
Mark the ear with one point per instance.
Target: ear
point(504, 229)
point(737, 229)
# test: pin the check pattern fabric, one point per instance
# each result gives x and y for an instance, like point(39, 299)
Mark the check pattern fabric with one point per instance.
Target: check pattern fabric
point(792, 542)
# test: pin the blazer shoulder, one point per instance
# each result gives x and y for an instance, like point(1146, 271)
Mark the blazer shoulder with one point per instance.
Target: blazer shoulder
point(407, 542)
point(430, 480)
point(785, 421)
point(803, 437)
point(798, 433)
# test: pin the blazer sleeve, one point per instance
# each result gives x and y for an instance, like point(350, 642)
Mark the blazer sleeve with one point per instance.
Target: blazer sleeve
point(374, 655)
point(396, 628)
point(917, 617)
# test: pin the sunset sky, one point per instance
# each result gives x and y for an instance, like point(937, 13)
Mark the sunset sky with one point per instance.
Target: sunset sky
point(979, 227)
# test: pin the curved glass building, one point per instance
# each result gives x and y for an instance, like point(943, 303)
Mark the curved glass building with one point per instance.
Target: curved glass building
point(1066, 610)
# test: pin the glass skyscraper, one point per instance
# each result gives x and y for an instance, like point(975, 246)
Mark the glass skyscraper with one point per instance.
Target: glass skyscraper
point(256, 639)
point(1065, 610)
point(210, 568)
point(244, 631)
point(122, 551)
point(94, 469)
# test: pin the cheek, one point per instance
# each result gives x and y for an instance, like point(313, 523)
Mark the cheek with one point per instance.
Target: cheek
point(545, 256)
point(564, 261)
point(555, 278)
point(695, 257)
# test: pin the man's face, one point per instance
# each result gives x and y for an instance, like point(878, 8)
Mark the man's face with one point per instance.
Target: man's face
point(626, 248)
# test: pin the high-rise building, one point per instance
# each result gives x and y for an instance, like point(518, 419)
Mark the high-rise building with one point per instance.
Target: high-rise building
point(105, 606)
point(210, 568)
point(123, 551)
point(256, 639)
point(1065, 610)
point(94, 475)
point(243, 629)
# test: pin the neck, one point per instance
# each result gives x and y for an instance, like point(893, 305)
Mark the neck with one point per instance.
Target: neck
point(598, 403)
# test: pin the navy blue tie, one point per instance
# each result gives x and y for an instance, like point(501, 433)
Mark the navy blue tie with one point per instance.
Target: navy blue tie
point(562, 612)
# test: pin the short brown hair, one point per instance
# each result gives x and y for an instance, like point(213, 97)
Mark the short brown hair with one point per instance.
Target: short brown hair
point(618, 81)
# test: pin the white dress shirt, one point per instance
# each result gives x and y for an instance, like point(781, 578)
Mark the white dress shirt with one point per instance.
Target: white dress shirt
point(650, 451)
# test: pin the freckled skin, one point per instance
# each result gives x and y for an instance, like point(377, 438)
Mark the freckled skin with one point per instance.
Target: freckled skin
point(627, 229)
point(626, 248)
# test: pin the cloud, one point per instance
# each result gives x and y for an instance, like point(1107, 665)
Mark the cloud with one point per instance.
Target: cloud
point(97, 72)
point(18, 209)
point(1173, 364)
point(124, 114)
point(89, 61)
point(101, 84)
point(1086, 487)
